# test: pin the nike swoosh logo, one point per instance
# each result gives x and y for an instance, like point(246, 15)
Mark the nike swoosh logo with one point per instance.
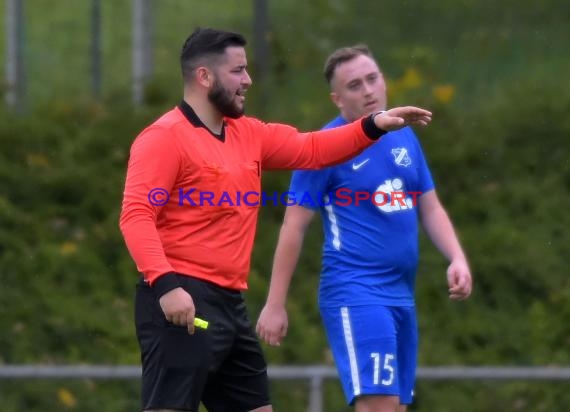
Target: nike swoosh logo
point(356, 166)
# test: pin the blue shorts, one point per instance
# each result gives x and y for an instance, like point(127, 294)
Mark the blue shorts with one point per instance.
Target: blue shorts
point(375, 349)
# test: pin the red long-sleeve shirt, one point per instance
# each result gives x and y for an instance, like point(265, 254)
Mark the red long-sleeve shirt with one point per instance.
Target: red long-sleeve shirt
point(178, 154)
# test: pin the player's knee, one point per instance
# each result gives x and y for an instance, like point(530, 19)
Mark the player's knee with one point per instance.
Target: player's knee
point(378, 404)
point(267, 408)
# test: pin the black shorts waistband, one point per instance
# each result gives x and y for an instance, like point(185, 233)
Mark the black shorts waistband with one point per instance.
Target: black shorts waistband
point(190, 283)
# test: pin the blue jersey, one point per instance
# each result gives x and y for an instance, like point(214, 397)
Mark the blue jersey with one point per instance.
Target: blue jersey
point(369, 209)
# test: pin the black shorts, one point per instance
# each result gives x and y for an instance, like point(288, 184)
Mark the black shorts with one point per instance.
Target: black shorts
point(222, 366)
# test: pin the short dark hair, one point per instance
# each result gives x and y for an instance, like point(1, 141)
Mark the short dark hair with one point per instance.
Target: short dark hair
point(206, 43)
point(343, 55)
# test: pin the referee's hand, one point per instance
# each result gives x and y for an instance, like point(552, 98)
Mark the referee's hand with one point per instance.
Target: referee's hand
point(399, 117)
point(178, 308)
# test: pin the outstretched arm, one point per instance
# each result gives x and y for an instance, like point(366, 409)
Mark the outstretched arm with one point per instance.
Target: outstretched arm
point(273, 322)
point(283, 147)
point(439, 229)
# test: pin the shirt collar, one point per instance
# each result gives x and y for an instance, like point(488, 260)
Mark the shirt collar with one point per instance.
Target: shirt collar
point(193, 118)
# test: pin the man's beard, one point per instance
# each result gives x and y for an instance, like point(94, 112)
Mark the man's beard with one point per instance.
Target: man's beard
point(224, 101)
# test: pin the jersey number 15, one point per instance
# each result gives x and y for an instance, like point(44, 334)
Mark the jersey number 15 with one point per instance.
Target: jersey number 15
point(388, 358)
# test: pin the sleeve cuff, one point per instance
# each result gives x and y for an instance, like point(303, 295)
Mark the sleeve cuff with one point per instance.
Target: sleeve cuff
point(165, 283)
point(370, 128)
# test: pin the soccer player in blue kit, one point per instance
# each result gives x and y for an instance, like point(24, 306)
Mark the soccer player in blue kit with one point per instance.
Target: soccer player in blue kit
point(370, 253)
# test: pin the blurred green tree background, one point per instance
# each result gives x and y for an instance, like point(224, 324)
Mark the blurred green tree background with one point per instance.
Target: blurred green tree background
point(495, 76)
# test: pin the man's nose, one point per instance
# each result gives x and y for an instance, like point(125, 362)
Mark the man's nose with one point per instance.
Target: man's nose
point(368, 88)
point(246, 80)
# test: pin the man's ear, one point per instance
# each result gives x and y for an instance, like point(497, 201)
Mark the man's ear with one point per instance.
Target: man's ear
point(204, 76)
point(336, 100)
